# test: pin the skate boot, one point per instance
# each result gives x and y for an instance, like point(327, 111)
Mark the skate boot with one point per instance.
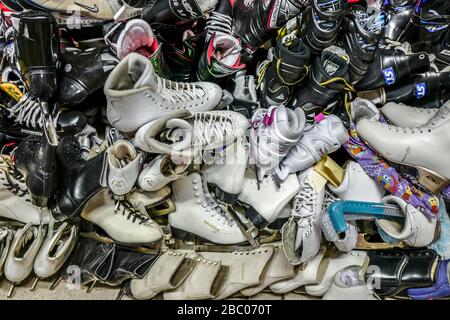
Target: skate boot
point(182, 56)
point(244, 93)
point(222, 52)
point(6, 235)
point(128, 99)
point(323, 138)
point(239, 276)
point(225, 172)
point(160, 172)
point(426, 148)
point(167, 273)
point(55, 250)
point(81, 179)
point(274, 132)
point(361, 39)
point(392, 66)
point(124, 165)
point(287, 68)
point(255, 22)
point(38, 30)
point(327, 82)
point(199, 214)
point(124, 224)
point(35, 159)
point(302, 233)
point(442, 52)
point(321, 24)
point(265, 200)
point(137, 36)
point(15, 200)
point(83, 73)
point(174, 12)
point(416, 230)
point(23, 251)
point(185, 134)
point(411, 117)
point(430, 86)
point(399, 17)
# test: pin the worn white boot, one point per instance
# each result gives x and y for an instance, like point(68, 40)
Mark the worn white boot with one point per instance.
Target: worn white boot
point(402, 115)
point(426, 148)
point(197, 213)
point(136, 95)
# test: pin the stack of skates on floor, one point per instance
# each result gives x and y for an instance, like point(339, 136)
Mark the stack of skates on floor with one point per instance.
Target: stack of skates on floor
point(212, 149)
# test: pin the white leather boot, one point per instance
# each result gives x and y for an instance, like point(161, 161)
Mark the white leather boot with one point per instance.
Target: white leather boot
point(402, 115)
point(6, 236)
point(23, 251)
point(160, 172)
point(121, 221)
point(199, 214)
point(227, 171)
point(323, 138)
point(124, 167)
point(266, 202)
point(417, 230)
point(279, 269)
point(245, 268)
point(302, 234)
point(136, 95)
point(426, 148)
point(167, 273)
point(55, 250)
point(204, 282)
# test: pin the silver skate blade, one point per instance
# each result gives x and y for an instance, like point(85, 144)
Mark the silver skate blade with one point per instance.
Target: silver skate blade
point(35, 283)
point(55, 283)
point(120, 294)
point(248, 232)
point(89, 289)
point(11, 290)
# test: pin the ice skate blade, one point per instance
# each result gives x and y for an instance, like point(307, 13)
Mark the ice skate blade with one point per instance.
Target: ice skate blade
point(185, 240)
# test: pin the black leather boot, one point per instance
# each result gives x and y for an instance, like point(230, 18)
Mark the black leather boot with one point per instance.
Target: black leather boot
point(361, 37)
point(80, 179)
point(287, 69)
point(35, 159)
point(82, 73)
point(428, 87)
point(326, 85)
point(392, 66)
point(442, 52)
point(257, 21)
point(321, 23)
point(399, 16)
point(38, 53)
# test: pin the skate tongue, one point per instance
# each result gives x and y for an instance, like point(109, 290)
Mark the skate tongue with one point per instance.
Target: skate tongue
point(227, 49)
point(141, 72)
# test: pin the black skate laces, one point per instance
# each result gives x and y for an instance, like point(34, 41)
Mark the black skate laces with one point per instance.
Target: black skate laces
point(125, 209)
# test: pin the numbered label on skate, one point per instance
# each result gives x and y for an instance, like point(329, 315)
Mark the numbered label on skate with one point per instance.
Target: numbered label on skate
point(421, 90)
point(389, 76)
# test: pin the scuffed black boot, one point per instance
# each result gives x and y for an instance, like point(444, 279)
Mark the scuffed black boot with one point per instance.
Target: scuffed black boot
point(175, 12)
point(321, 23)
point(442, 52)
point(287, 68)
point(37, 49)
point(399, 16)
point(256, 21)
point(80, 179)
point(35, 159)
point(327, 83)
point(83, 72)
point(391, 66)
point(429, 87)
point(221, 55)
point(361, 37)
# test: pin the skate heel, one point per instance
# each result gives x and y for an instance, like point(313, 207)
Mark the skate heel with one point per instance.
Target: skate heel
point(431, 181)
point(182, 235)
point(225, 196)
point(258, 220)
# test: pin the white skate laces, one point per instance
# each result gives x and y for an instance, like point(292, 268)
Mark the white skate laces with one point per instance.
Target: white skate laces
point(303, 208)
point(27, 111)
point(211, 129)
point(177, 92)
